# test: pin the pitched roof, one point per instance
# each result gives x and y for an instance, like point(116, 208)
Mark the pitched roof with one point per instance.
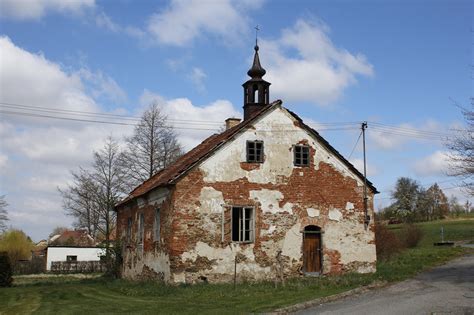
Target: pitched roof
point(170, 174)
point(78, 238)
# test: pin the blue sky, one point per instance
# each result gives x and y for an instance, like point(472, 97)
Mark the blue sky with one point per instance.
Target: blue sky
point(397, 63)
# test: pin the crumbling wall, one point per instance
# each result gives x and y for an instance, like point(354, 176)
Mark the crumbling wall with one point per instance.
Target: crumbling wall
point(286, 199)
point(148, 260)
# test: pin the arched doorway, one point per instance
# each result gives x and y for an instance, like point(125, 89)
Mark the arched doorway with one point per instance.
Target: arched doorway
point(312, 256)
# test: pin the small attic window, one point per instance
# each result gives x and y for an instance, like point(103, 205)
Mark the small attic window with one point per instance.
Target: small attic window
point(301, 155)
point(255, 151)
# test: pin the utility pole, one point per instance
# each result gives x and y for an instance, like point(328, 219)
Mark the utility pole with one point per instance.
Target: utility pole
point(366, 216)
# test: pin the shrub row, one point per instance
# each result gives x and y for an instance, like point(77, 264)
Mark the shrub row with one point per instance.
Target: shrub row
point(388, 243)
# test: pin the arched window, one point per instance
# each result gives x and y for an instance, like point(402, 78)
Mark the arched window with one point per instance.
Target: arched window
point(255, 93)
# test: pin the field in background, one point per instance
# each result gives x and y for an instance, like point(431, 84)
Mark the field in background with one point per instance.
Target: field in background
point(71, 294)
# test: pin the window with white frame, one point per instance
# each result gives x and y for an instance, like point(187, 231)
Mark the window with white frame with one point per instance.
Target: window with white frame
point(141, 228)
point(243, 224)
point(157, 225)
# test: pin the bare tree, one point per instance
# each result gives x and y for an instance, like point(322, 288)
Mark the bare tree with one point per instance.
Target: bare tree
point(3, 213)
point(79, 201)
point(108, 177)
point(152, 147)
point(462, 152)
point(91, 198)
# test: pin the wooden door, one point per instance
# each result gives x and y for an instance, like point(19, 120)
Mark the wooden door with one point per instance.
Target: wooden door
point(312, 252)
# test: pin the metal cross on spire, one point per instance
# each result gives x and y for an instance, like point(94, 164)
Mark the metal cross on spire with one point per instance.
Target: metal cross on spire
point(256, 35)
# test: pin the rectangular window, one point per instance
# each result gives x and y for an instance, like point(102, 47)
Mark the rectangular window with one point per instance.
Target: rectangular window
point(71, 258)
point(129, 230)
point(242, 224)
point(301, 155)
point(141, 228)
point(157, 225)
point(255, 151)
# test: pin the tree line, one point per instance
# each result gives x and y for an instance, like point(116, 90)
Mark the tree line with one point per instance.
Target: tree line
point(414, 203)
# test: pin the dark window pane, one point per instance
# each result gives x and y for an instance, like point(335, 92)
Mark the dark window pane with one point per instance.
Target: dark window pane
point(235, 223)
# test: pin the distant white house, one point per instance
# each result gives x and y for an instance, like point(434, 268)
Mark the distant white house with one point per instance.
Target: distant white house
point(74, 247)
point(72, 254)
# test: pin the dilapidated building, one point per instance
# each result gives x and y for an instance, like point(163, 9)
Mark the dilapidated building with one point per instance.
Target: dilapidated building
point(268, 196)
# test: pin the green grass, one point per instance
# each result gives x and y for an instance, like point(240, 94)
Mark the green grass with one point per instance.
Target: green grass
point(71, 295)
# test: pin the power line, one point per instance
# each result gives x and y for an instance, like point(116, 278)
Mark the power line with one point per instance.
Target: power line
point(355, 145)
point(93, 114)
point(91, 121)
point(134, 124)
point(405, 129)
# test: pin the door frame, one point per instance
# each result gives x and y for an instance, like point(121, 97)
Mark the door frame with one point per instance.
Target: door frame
point(320, 232)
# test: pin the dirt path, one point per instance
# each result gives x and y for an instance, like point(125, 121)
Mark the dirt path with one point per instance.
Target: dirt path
point(448, 289)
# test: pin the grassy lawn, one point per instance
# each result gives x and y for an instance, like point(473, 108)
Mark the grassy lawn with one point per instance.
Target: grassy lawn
point(71, 295)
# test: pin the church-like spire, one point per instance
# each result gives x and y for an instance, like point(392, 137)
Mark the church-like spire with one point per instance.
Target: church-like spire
point(256, 90)
point(256, 72)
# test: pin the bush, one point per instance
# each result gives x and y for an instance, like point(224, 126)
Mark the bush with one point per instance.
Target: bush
point(6, 270)
point(386, 242)
point(412, 235)
point(113, 260)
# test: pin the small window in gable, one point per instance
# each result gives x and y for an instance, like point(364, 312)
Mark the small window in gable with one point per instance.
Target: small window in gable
point(255, 151)
point(243, 224)
point(301, 155)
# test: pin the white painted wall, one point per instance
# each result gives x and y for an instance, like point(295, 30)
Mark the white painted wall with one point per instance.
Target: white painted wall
point(82, 253)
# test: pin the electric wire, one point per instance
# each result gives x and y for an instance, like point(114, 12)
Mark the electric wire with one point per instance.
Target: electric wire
point(355, 145)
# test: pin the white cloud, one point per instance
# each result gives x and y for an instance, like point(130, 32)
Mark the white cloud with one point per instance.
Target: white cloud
point(319, 72)
point(181, 110)
point(40, 152)
point(197, 77)
point(35, 9)
point(394, 137)
point(432, 165)
point(184, 20)
point(46, 83)
point(104, 21)
point(102, 85)
point(359, 165)
point(385, 140)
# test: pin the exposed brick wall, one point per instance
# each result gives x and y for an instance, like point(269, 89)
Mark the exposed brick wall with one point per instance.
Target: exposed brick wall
point(191, 230)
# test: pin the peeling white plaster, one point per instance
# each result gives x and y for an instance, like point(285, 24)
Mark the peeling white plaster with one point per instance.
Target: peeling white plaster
point(270, 230)
point(335, 215)
point(179, 277)
point(349, 206)
point(279, 133)
point(312, 213)
point(225, 257)
point(159, 262)
point(269, 200)
point(292, 243)
point(351, 240)
point(211, 200)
